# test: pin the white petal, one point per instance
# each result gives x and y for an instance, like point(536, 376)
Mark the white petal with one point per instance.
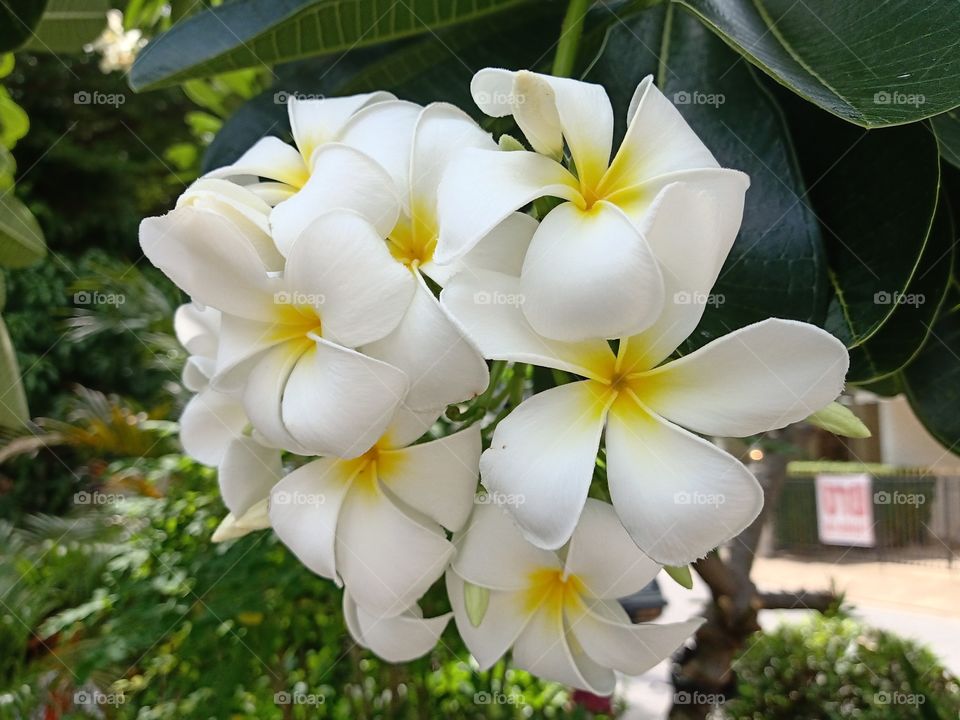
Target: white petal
point(230, 528)
point(342, 267)
point(438, 478)
point(272, 193)
point(610, 639)
point(246, 474)
point(197, 372)
point(677, 495)
point(315, 122)
point(492, 91)
point(407, 426)
point(270, 158)
point(543, 455)
point(492, 552)
point(263, 393)
point(572, 254)
point(197, 328)
point(338, 402)
point(384, 131)
point(758, 378)
point(503, 621)
point(208, 423)
point(501, 250)
point(304, 511)
point(395, 639)
point(211, 260)
point(243, 340)
point(481, 188)
point(486, 305)
point(386, 558)
point(604, 557)
point(441, 364)
point(342, 178)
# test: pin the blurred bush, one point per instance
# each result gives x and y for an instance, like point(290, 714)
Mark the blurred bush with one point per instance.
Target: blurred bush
point(835, 667)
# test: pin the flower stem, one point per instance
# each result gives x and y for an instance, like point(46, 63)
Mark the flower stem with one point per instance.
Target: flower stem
point(570, 32)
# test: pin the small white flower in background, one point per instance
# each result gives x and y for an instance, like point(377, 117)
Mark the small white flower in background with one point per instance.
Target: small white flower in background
point(376, 522)
point(117, 47)
point(558, 611)
point(761, 377)
point(589, 271)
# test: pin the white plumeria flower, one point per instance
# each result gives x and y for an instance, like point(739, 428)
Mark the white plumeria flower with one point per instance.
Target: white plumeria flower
point(678, 495)
point(597, 238)
point(313, 123)
point(559, 611)
point(214, 429)
point(397, 638)
point(288, 341)
point(375, 523)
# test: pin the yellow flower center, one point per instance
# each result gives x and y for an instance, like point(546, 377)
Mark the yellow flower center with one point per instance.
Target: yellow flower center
point(552, 589)
point(414, 239)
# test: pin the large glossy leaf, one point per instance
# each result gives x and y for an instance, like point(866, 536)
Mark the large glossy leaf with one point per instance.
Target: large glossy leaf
point(947, 128)
point(67, 25)
point(872, 63)
point(875, 194)
point(13, 400)
point(903, 335)
point(932, 382)
point(21, 239)
point(258, 33)
point(17, 20)
point(776, 267)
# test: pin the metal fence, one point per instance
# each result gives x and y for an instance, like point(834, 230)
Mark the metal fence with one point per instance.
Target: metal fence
point(916, 519)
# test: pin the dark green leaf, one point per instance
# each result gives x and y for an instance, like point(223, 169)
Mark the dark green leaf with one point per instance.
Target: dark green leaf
point(776, 267)
point(871, 63)
point(13, 408)
point(17, 20)
point(947, 128)
point(21, 239)
point(68, 25)
point(258, 33)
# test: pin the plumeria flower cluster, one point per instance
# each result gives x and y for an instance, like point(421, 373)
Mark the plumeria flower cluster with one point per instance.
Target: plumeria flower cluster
point(348, 288)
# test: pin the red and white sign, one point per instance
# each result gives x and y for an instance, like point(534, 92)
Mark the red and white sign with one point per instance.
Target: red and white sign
point(845, 510)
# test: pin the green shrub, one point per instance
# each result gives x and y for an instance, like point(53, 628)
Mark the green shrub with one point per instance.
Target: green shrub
point(834, 667)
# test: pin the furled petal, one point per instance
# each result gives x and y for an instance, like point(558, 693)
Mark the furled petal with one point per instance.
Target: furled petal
point(677, 495)
point(315, 122)
point(531, 101)
point(263, 393)
point(343, 178)
point(197, 328)
point(395, 639)
point(407, 426)
point(441, 364)
point(197, 372)
point(758, 378)
point(543, 454)
point(246, 474)
point(211, 260)
point(505, 618)
point(481, 188)
point(572, 254)
point(604, 557)
point(386, 558)
point(501, 250)
point(270, 158)
point(384, 131)
point(342, 267)
point(492, 552)
point(609, 638)
point(272, 193)
point(230, 528)
point(242, 340)
point(338, 402)
point(437, 478)
point(304, 511)
point(208, 423)
point(486, 305)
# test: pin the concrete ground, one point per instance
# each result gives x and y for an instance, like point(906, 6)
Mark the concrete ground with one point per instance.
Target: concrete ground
point(917, 601)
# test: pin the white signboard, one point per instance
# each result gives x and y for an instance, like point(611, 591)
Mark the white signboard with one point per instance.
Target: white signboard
point(845, 510)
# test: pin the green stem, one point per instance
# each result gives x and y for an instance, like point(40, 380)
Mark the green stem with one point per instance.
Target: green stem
point(570, 32)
